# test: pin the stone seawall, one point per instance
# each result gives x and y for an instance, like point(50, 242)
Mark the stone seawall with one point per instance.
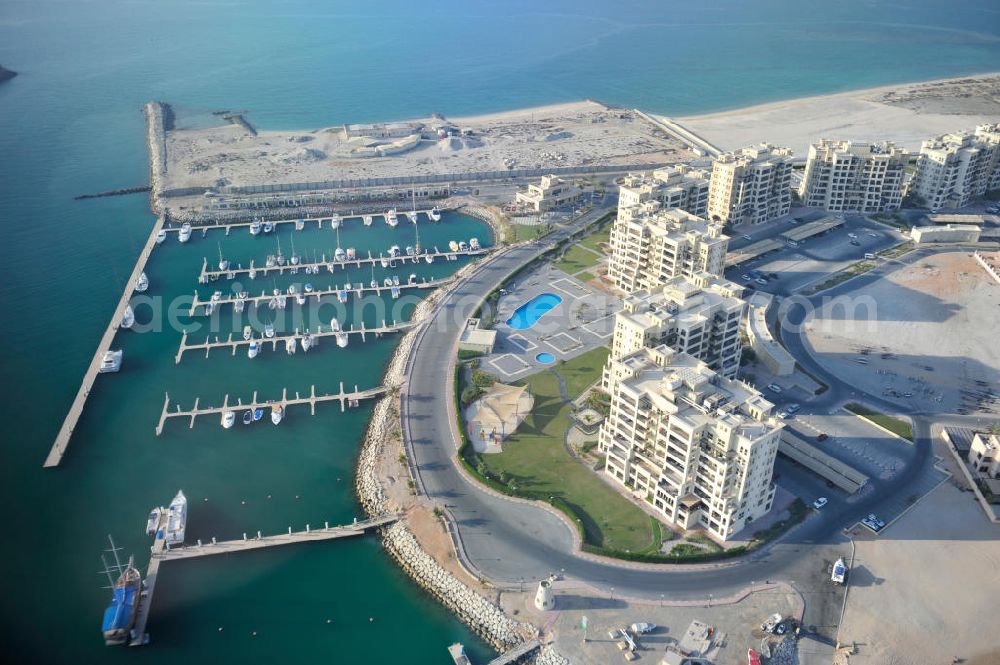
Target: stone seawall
point(158, 114)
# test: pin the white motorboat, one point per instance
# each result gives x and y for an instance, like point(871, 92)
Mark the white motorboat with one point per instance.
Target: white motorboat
point(342, 339)
point(339, 254)
point(410, 251)
point(342, 295)
point(334, 325)
point(277, 413)
point(153, 523)
point(216, 296)
point(111, 362)
point(228, 419)
point(269, 330)
point(282, 301)
point(348, 286)
point(387, 281)
point(185, 233)
point(413, 216)
point(255, 227)
point(474, 243)
point(290, 345)
point(247, 332)
point(453, 246)
point(300, 224)
point(209, 308)
point(253, 350)
point(384, 261)
point(271, 261)
point(239, 305)
point(352, 254)
point(294, 260)
point(390, 217)
point(268, 227)
point(128, 318)
point(462, 246)
point(142, 283)
point(300, 298)
point(395, 280)
point(335, 222)
point(309, 287)
point(307, 342)
point(435, 214)
point(373, 283)
point(253, 273)
point(292, 290)
point(176, 519)
point(412, 280)
point(394, 251)
point(839, 572)
point(367, 219)
point(161, 235)
point(428, 257)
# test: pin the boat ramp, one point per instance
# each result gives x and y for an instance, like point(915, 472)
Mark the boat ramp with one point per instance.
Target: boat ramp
point(345, 398)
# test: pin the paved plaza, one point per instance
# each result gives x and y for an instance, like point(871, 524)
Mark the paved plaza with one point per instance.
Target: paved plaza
point(583, 320)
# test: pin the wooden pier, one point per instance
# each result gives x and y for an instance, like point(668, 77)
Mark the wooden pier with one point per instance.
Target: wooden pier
point(160, 553)
point(321, 331)
point(76, 409)
point(345, 398)
point(207, 275)
point(318, 221)
point(358, 290)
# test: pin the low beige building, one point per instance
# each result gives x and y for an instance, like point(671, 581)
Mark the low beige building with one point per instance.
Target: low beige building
point(475, 338)
point(552, 192)
point(984, 455)
point(698, 315)
point(945, 233)
point(698, 447)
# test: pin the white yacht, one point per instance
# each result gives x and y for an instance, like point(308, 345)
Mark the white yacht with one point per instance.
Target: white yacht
point(412, 280)
point(247, 332)
point(395, 280)
point(142, 283)
point(342, 339)
point(390, 217)
point(253, 350)
point(300, 298)
point(185, 233)
point(269, 330)
point(271, 261)
point(428, 257)
point(308, 287)
point(307, 342)
point(334, 325)
point(153, 523)
point(268, 227)
point(128, 318)
point(410, 251)
point(111, 362)
point(387, 281)
point(435, 214)
point(384, 261)
point(474, 243)
point(412, 215)
point(394, 251)
point(352, 254)
point(253, 273)
point(161, 235)
point(277, 413)
point(228, 419)
point(239, 305)
point(290, 345)
point(255, 227)
point(216, 296)
point(462, 246)
point(339, 254)
point(223, 263)
point(177, 519)
point(300, 224)
point(335, 222)
point(453, 246)
point(367, 220)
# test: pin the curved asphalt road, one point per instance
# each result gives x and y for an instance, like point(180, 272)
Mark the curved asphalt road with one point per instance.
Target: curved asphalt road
point(509, 542)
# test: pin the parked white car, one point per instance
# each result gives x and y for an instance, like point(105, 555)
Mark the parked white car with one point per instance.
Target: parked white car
point(820, 502)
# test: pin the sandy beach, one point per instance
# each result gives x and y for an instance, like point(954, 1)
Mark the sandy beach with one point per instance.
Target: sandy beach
point(906, 113)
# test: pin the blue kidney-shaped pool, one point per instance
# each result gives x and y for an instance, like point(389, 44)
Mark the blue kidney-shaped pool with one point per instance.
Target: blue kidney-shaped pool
point(528, 314)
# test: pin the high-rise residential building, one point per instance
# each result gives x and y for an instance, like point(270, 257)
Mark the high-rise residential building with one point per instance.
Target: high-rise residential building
point(954, 169)
point(849, 176)
point(699, 315)
point(677, 186)
point(751, 186)
point(697, 446)
point(650, 246)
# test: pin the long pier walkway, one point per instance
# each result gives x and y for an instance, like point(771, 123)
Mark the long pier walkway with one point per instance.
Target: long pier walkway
point(321, 331)
point(160, 553)
point(318, 221)
point(210, 275)
point(69, 423)
point(358, 290)
point(345, 398)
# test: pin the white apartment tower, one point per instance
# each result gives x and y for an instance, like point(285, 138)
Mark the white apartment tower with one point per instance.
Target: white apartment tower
point(678, 186)
point(954, 169)
point(751, 185)
point(698, 447)
point(848, 176)
point(651, 246)
point(698, 315)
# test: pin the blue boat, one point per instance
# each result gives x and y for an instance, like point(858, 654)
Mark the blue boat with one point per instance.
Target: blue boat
point(258, 414)
point(119, 617)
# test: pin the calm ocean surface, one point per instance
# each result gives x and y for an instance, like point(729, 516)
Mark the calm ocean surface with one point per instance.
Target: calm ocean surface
point(72, 123)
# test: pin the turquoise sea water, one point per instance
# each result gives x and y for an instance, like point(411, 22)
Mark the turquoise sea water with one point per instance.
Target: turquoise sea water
point(72, 123)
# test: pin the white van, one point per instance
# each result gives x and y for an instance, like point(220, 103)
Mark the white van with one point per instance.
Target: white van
point(869, 255)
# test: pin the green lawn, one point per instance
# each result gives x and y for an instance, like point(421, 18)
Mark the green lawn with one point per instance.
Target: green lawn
point(537, 462)
point(594, 240)
point(528, 232)
point(895, 425)
point(585, 276)
point(576, 259)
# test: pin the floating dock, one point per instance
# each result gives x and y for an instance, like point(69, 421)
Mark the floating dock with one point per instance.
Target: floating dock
point(160, 553)
point(318, 221)
point(321, 331)
point(76, 409)
point(345, 398)
point(359, 290)
point(207, 275)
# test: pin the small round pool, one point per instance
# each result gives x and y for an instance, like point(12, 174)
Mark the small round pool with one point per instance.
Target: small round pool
point(545, 358)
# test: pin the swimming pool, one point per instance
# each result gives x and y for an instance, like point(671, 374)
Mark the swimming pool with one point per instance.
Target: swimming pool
point(545, 358)
point(528, 314)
